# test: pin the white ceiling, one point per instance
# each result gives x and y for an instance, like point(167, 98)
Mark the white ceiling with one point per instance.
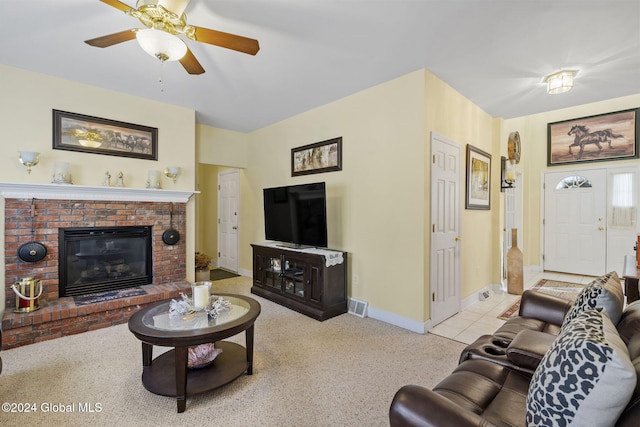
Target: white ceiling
point(495, 52)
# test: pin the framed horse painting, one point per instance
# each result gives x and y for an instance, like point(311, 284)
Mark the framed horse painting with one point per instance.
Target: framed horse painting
point(604, 137)
point(77, 132)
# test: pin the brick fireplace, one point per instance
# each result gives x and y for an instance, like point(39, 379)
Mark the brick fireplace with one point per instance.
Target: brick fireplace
point(78, 207)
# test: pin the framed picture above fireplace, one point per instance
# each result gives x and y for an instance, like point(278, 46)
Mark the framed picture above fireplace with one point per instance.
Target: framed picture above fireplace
point(78, 132)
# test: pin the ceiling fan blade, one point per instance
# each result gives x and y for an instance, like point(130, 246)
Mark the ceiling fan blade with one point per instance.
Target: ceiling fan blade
point(175, 6)
point(226, 40)
point(118, 5)
point(190, 63)
point(111, 39)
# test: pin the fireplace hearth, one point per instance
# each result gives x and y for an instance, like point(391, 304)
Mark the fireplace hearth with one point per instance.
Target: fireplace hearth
point(80, 206)
point(100, 259)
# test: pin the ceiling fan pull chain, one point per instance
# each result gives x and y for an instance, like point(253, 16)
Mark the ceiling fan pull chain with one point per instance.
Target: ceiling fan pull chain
point(161, 79)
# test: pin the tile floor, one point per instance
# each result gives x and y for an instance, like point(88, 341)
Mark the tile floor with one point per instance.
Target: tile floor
point(481, 318)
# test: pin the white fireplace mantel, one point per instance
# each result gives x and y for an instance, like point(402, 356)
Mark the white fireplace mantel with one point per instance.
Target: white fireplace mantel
point(17, 190)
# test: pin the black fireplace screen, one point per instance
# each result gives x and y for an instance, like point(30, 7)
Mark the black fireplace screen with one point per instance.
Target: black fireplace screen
point(100, 259)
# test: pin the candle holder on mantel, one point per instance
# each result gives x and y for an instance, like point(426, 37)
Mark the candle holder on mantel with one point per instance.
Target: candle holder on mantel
point(61, 174)
point(153, 180)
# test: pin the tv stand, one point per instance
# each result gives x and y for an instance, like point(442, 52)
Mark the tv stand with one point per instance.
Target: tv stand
point(310, 281)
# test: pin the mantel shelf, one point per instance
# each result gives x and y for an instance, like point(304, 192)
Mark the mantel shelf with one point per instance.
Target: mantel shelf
point(16, 190)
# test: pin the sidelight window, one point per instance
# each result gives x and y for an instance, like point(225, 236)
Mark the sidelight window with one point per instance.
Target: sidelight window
point(622, 208)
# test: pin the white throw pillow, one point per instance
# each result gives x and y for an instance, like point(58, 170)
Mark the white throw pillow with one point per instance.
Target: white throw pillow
point(604, 292)
point(585, 379)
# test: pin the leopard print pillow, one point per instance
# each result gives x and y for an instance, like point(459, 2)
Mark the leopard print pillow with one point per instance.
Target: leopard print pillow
point(604, 292)
point(585, 379)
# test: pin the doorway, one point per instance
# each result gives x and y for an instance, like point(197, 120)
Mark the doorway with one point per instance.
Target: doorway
point(228, 219)
point(575, 221)
point(445, 271)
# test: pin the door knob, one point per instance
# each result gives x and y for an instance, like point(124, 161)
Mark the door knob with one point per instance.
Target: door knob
point(601, 228)
point(457, 239)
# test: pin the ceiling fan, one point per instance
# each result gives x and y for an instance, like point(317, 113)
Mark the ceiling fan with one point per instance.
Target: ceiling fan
point(164, 19)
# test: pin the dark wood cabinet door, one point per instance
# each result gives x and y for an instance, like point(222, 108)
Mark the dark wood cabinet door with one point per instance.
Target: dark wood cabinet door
point(315, 283)
point(295, 277)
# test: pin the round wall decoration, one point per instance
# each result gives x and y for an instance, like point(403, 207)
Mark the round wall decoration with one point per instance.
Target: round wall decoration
point(513, 147)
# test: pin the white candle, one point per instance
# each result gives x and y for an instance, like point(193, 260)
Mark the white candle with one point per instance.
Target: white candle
point(200, 296)
point(154, 178)
point(61, 172)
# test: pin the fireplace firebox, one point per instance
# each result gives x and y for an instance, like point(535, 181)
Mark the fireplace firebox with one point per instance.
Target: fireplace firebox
point(101, 259)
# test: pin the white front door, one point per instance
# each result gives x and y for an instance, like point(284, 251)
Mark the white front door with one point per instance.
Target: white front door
point(445, 276)
point(228, 218)
point(575, 222)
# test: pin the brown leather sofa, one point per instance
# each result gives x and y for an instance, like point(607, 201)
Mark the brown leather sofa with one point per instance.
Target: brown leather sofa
point(491, 384)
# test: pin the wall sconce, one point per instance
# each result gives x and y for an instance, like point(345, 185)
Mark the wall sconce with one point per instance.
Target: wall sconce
point(172, 172)
point(507, 173)
point(560, 82)
point(29, 159)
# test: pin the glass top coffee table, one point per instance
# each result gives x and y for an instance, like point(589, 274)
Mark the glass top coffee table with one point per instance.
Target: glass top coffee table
point(168, 374)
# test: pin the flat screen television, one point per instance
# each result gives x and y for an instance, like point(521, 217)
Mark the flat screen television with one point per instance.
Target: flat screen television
point(296, 214)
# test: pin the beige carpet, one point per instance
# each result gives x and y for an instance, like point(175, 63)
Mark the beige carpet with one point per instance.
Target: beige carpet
point(341, 372)
point(560, 289)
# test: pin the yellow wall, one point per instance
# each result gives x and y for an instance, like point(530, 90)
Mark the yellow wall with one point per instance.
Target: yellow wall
point(219, 150)
point(453, 116)
point(26, 122)
point(26, 104)
point(222, 147)
point(533, 134)
point(375, 204)
point(378, 205)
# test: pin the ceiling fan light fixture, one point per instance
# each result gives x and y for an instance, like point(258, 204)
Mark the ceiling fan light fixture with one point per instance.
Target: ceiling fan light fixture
point(560, 82)
point(161, 45)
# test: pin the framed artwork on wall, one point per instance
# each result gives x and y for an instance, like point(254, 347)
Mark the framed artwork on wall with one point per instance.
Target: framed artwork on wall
point(325, 156)
point(78, 132)
point(604, 137)
point(478, 194)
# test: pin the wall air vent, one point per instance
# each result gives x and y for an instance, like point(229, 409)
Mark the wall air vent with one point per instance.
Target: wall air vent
point(357, 307)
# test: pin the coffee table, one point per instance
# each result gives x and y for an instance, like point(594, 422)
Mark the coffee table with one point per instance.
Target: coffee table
point(168, 375)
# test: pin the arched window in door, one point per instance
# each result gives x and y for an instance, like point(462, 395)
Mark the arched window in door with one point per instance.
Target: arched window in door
point(573, 181)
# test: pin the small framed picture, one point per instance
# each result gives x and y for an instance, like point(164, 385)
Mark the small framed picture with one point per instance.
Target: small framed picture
point(325, 156)
point(478, 179)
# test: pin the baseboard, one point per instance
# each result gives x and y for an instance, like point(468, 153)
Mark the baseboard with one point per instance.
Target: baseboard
point(400, 321)
point(245, 272)
point(532, 269)
point(475, 296)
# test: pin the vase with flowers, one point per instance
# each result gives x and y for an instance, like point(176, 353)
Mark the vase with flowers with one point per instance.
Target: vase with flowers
point(202, 267)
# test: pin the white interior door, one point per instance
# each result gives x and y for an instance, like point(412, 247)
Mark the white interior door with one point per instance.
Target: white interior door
point(575, 225)
point(445, 275)
point(228, 219)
